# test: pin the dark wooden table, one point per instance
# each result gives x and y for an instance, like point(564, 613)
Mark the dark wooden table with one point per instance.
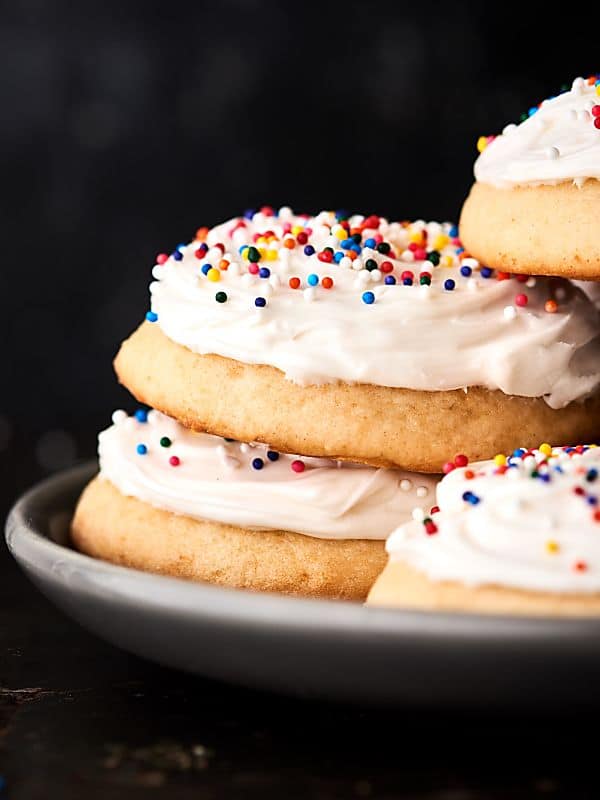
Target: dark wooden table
point(81, 720)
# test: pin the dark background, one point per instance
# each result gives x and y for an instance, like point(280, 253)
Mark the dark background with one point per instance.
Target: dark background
point(125, 126)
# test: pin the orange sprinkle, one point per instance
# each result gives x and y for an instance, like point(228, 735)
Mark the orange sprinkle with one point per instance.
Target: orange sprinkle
point(327, 282)
point(289, 242)
point(223, 263)
point(551, 306)
point(201, 234)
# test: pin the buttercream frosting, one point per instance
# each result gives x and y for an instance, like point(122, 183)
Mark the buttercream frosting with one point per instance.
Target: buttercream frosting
point(531, 523)
point(591, 289)
point(558, 142)
point(393, 304)
point(158, 461)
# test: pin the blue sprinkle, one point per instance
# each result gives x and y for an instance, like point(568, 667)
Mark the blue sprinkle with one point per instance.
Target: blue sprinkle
point(449, 285)
point(341, 213)
point(272, 455)
point(260, 302)
point(357, 248)
point(466, 271)
point(258, 463)
point(264, 272)
point(485, 272)
point(460, 250)
point(181, 246)
point(368, 298)
point(591, 474)
point(206, 268)
point(309, 250)
point(338, 256)
point(151, 316)
point(407, 281)
point(346, 244)
point(544, 477)
point(176, 255)
point(532, 111)
point(471, 498)
point(519, 452)
point(242, 248)
point(248, 213)
point(390, 280)
point(141, 449)
point(592, 500)
point(141, 415)
point(370, 243)
point(453, 232)
point(313, 279)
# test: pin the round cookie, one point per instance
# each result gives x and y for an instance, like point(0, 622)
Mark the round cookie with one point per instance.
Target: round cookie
point(535, 204)
point(361, 339)
point(198, 506)
point(516, 535)
point(376, 425)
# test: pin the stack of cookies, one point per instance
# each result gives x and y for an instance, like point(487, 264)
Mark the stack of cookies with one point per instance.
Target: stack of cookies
point(305, 379)
point(518, 534)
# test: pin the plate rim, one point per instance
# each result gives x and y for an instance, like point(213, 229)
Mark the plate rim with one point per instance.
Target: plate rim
point(35, 551)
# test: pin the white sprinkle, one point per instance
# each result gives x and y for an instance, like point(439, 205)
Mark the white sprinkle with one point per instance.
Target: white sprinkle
point(578, 86)
point(422, 491)
point(473, 285)
point(214, 254)
point(509, 129)
point(363, 276)
point(285, 212)
point(157, 272)
point(510, 312)
point(346, 262)
point(407, 255)
point(119, 416)
point(470, 262)
point(375, 275)
point(309, 294)
point(406, 485)
point(154, 287)
point(530, 283)
point(357, 264)
point(245, 448)
point(418, 514)
point(425, 292)
point(427, 266)
point(552, 153)
point(560, 293)
point(153, 416)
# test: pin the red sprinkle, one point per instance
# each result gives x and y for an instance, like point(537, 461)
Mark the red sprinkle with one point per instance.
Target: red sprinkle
point(253, 268)
point(461, 460)
point(434, 510)
point(386, 266)
point(596, 111)
point(448, 467)
point(161, 258)
point(174, 461)
point(469, 474)
point(580, 566)
point(325, 256)
point(294, 283)
point(298, 466)
point(430, 527)
point(596, 122)
point(521, 300)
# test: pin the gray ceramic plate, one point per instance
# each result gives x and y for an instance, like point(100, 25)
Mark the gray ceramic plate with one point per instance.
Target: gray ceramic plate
point(330, 649)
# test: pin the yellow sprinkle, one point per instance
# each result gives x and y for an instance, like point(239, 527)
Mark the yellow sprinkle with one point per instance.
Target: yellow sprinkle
point(500, 460)
point(213, 275)
point(262, 251)
point(341, 234)
point(416, 237)
point(297, 229)
point(597, 89)
point(447, 261)
point(440, 241)
point(261, 240)
point(272, 255)
point(482, 143)
point(546, 449)
point(552, 546)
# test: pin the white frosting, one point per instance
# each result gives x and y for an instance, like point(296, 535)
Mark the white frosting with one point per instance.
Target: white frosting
point(418, 337)
point(522, 533)
point(559, 142)
point(215, 480)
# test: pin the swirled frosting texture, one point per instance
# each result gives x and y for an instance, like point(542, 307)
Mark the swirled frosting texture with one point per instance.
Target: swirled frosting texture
point(532, 524)
point(393, 304)
point(216, 479)
point(558, 142)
